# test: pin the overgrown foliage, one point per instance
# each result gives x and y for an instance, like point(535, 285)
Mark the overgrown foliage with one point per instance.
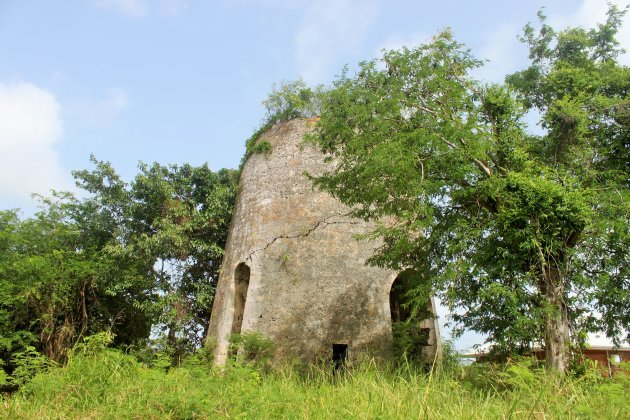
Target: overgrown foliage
point(101, 382)
point(131, 258)
point(524, 236)
point(174, 220)
point(287, 101)
point(251, 348)
point(59, 283)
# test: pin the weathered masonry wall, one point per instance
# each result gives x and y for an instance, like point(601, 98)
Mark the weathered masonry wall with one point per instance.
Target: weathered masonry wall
point(293, 270)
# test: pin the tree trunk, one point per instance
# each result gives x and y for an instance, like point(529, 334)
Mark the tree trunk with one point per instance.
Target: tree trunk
point(557, 327)
point(173, 342)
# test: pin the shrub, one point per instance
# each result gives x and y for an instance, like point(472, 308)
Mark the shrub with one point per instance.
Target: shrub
point(251, 348)
point(287, 101)
point(28, 363)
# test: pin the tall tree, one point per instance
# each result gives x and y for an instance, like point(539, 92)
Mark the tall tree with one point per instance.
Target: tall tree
point(524, 236)
point(135, 259)
point(58, 283)
point(173, 220)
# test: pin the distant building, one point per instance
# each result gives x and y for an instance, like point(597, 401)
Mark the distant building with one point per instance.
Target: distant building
point(608, 357)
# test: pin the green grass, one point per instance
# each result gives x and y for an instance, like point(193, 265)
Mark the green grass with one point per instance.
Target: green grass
point(109, 384)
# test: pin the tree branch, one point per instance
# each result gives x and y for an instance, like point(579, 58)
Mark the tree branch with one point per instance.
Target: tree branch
point(480, 164)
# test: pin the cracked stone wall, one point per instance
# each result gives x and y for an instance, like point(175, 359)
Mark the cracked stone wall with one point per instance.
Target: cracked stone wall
point(309, 286)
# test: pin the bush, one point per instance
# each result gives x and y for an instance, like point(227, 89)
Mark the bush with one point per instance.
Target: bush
point(251, 348)
point(27, 364)
point(409, 341)
point(522, 374)
point(100, 382)
point(287, 101)
point(4, 379)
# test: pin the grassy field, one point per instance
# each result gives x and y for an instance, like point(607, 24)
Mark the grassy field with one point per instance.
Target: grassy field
point(105, 383)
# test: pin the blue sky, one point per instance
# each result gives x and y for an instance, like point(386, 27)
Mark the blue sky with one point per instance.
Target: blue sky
point(178, 81)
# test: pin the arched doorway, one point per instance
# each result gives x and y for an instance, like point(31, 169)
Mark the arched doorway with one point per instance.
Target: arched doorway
point(400, 312)
point(241, 284)
point(410, 329)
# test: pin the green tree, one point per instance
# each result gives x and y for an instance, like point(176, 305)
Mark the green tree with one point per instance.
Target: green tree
point(58, 283)
point(524, 236)
point(129, 258)
point(173, 220)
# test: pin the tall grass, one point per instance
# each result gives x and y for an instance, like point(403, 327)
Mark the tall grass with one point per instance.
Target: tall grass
point(105, 383)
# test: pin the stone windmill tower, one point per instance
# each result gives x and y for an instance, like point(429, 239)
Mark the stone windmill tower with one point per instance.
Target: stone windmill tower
point(293, 270)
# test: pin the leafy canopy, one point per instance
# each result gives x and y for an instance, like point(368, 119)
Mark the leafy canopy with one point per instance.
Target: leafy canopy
point(135, 259)
point(524, 236)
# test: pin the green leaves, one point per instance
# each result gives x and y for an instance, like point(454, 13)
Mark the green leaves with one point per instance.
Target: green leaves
point(287, 101)
point(291, 100)
point(177, 224)
point(131, 257)
point(507, 226)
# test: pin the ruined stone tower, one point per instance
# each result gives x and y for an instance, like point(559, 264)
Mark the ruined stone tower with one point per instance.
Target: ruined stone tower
point(293, 270)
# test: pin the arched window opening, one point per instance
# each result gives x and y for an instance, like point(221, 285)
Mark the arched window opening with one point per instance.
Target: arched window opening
point(397, 301)
point(409, 331)
point(241, 284)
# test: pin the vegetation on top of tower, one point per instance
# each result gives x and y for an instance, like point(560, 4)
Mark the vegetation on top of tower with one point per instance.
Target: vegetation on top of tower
point(287, 101)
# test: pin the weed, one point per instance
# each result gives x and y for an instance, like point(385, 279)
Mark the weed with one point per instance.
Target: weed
point(106, 383)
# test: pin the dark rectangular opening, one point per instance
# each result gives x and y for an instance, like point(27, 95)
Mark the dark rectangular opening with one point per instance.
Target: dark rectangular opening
point(339, 356)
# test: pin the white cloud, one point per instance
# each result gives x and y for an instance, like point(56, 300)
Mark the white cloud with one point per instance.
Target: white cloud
point(172, 7)
point(99, 112)
point(30, 126)
point(330, 29)
point(590, 13)
point(131, 8)
point(141, 8)
point(283, 4)
point(505, 54)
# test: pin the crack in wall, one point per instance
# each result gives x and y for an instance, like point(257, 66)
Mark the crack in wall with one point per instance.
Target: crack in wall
point(322, 223)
